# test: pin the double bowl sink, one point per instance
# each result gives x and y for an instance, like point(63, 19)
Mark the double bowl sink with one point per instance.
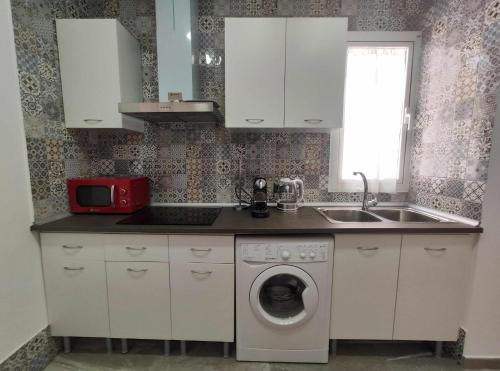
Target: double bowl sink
point(400, 215)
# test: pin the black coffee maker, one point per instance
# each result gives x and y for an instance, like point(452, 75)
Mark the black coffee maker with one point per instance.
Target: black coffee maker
point(259, 204)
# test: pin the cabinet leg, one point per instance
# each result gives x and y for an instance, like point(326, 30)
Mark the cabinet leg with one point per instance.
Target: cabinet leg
point(166, 347)
point(124, 345)
point(109, 346)
point(333, 347)
point(438, 350)
point(67, 344)
point(183, 348)
point(226, 350)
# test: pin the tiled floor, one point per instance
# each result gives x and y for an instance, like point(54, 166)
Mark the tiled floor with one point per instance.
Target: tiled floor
point(202, 356)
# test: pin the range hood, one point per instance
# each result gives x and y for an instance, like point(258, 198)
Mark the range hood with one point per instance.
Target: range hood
point(196, 111)
point(177, 46)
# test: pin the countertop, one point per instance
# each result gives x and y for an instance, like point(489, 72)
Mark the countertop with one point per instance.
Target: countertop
point(305, 221)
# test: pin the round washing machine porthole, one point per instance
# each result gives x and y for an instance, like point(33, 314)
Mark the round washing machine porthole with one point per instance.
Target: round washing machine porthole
point(284, 296)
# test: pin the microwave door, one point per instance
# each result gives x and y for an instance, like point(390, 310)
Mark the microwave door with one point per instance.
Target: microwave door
point(95, 196)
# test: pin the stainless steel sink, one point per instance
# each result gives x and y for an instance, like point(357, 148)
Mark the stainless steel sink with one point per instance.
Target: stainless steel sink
point(336, 215)
point(406, 215)
point(399, 215)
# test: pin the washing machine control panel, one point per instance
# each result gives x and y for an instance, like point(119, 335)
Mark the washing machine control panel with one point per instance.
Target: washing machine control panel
point(286, 253)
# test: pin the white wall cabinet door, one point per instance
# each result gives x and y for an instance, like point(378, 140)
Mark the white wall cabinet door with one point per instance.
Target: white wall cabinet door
point(76, 295)
point(139, 300)
point(316, 52)
point(255, 70)
point(100, 67)
point(202, 301)
point(365, 278)
point(432, 286)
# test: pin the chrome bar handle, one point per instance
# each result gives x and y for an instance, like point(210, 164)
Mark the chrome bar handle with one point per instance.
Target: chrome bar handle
point(72, 247)
point(136, 248)
point(92, 121)
point(313, 121)
point(194, 250)
point(205, 273)
point(254, 121)
point(112, 195)
point(74, 269)
point(137, 270)
point(435, 249)
point(361, 248)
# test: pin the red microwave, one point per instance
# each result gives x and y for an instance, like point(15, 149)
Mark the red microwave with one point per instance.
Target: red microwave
point(108, 195)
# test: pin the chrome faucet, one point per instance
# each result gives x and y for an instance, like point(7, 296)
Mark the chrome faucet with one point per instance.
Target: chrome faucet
point(366, 204)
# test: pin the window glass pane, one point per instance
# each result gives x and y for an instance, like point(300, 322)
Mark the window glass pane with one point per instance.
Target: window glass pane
point(375, 99)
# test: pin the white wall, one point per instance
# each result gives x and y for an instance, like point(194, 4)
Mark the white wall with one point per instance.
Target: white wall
point(483, 316)
point(22, 304)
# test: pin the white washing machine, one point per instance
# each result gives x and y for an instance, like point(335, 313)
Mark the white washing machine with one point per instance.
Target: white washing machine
point(283, 298)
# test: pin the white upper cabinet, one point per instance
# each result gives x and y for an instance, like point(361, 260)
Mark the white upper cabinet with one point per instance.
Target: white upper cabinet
point(100, 67)
point(285, 72)
point(316, 51)
point(255, 68)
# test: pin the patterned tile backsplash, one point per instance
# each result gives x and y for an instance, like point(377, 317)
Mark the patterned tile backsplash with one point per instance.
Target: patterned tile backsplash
point(192, 163)
point(460, 74)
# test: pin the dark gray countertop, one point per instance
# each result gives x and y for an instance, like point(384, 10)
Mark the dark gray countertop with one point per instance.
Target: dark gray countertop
point(305, 221)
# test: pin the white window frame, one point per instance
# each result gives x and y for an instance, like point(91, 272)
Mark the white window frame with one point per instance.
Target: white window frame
point(409, 38)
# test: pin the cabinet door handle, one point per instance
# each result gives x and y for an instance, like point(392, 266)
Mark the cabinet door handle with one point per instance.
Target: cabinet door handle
point(136, 248)
point(435, 249)
point(313, 121)
point(204, 273)
point(74, 269)
point(254, 121)
point(137, 270)
point(72, 247)
point(206, 251)
point(361, 248)
point(92, 121)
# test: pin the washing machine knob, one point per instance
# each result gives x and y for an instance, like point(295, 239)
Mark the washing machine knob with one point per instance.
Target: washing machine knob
point(285, 255)
point(302, 255)
point(312, 255)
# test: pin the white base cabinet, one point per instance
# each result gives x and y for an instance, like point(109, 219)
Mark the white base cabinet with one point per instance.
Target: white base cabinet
point(139, 300)
point(432, 286)
point(77, 301)
point(202, 301)
point(365, 275)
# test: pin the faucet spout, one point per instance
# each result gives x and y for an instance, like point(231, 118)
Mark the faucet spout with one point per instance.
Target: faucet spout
point(366, 204)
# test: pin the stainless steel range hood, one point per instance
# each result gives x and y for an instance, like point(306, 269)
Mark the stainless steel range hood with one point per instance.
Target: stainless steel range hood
point(167, 112)
point(177, 46)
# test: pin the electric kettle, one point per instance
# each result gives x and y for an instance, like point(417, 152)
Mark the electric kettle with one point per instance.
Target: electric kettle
point(289, 194)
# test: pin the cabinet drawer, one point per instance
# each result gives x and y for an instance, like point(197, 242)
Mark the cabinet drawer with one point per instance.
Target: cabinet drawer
point(73, 246)
point(137, 248)
point(77, 302)
point(194, 249)
point(202, 301)
point(139, 300)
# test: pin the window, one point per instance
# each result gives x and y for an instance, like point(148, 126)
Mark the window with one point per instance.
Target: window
point(378, 106)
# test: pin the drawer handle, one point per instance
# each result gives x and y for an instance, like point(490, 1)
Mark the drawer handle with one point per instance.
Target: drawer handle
point(313, 121)
point(74, 269)
point(202, 251)
point(72, 247)
point(254, 121)
point(435, 249)
point(137, 270)
point(136, 248)
point(204, 273)
point(367, 248)
point(92, 121)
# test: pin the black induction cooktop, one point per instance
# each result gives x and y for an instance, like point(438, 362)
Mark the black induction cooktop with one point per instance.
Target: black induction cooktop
point(166, 215)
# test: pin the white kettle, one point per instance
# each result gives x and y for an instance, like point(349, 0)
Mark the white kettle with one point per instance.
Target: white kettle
point(289, 194)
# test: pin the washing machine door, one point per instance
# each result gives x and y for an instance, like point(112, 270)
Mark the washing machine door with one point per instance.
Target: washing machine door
point(284, 296)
